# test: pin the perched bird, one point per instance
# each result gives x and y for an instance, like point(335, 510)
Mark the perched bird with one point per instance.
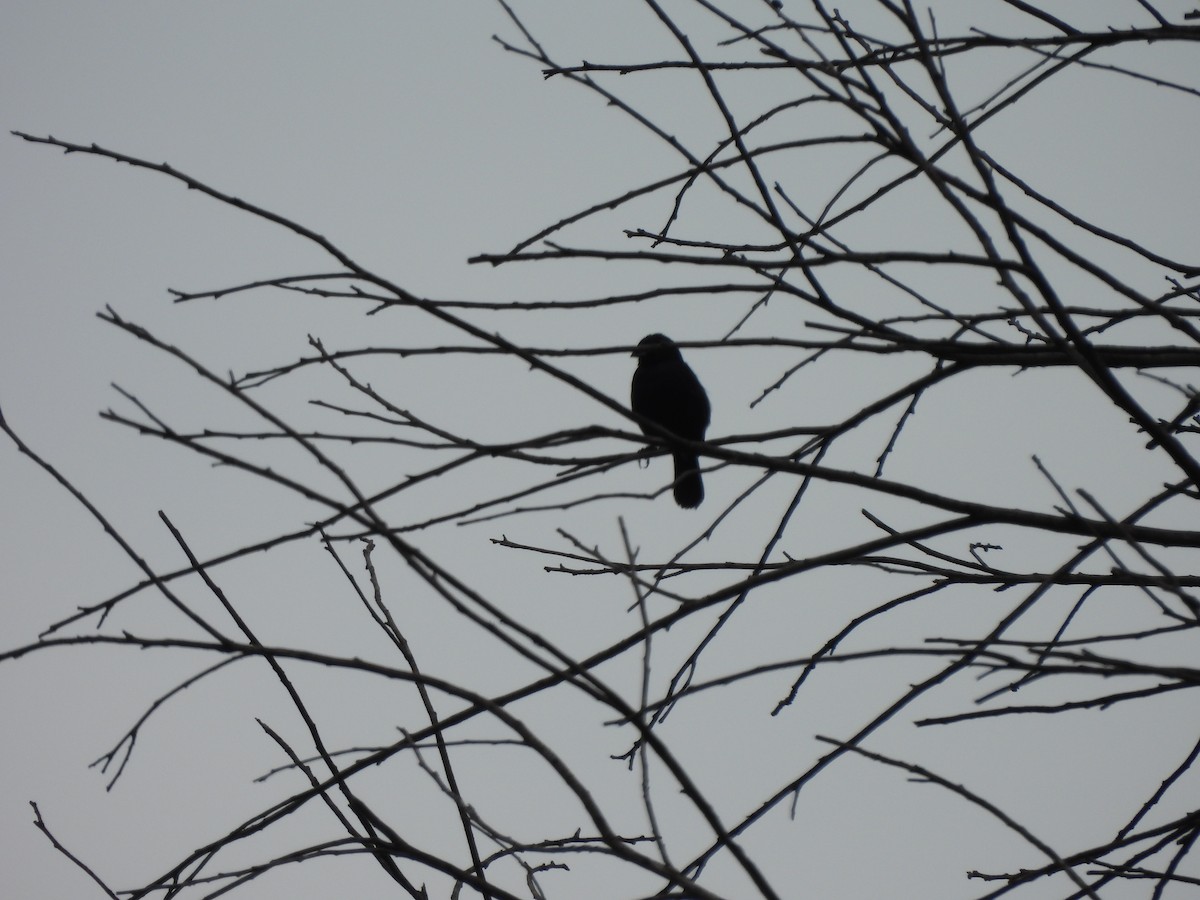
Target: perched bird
point(667, 392)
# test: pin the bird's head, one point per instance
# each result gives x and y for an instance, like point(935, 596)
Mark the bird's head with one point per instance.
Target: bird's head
point(655, 345)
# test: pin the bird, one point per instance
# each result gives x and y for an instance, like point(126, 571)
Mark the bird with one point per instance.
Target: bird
point(667, 392)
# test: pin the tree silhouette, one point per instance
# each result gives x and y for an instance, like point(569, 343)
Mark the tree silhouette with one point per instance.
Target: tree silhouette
point(949, 481)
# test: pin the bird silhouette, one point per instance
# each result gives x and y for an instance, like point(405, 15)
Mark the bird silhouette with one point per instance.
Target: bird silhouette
point(667, 392)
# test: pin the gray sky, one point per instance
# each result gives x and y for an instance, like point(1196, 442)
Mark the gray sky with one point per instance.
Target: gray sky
point(408, 137)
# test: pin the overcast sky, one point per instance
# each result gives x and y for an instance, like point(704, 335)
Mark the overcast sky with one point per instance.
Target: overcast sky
point(404, 134)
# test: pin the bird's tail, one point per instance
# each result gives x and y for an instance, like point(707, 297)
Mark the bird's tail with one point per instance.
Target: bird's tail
point(689, 489)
